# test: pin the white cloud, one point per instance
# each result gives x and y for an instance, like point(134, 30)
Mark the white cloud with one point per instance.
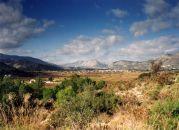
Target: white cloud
point(155, 7)
point(82, 48)
point(84, 45)
point(118, 13)
point(110, 48)
point(108, 31)
point(16, 27)
point(146, 49)
point(160, 16)
point(142, 27)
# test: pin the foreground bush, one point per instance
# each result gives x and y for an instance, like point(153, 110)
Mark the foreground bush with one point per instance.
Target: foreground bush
point(79, 100)
point(165, 115)
point(78, 111)
point(16, 96)
point(162, 78)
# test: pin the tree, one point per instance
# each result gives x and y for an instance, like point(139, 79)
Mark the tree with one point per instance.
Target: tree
point(156, 66)
point(50, 78)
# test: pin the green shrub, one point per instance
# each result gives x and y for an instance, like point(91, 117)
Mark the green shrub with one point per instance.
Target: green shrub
point(37, 88)
point(65, 95)
point(75, 112)
point(48, 93)
point(12, 95)
point(165, 114)
point(79, 110)
point(78, 99)
point(81, 101)
point(78, 84)
point(100, 84)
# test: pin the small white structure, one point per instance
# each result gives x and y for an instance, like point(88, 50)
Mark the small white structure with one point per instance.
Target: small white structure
point(48, 82)
point(32, 81)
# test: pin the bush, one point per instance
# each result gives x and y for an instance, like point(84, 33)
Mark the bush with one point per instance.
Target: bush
point(78, 84)
point(50, 78)
point(48, 93)
point(100, 84)
point(73, 113)
point(154, 93)
point(82, 108)
point(80, 102)
point(65, 95)
point(144, 76)
point(77, 99)
point(37, 88)
point(12, 96)
point(165, 114)
point(105, 102)
point(156, 66)
point(165, 79)
point(126, 85)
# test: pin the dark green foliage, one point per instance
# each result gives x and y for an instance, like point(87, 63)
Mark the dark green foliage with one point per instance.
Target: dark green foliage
point(50, 78)
point(145, 76)
point(48, 93)
point(12, 96)
point(7, 85)
point(104, 102)
point(100, 84)
point(79, 110)
point(65, 95)
point(37, 88)
point(80, 101)
point(78, 84)
point(17, 88)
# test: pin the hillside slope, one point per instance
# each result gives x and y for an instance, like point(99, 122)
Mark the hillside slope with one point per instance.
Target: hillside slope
point(89, 64)
point(8, 70)
point(27, 63)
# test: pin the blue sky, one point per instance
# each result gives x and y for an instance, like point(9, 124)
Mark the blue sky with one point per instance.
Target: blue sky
point(62, 31)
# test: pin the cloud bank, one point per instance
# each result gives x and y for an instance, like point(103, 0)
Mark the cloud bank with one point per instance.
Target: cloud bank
point(160, 16)
point(147, 49)
point(16, 27)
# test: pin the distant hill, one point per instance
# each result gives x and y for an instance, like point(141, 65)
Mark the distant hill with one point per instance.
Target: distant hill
point(8, 70)
point(22, 64)
point(27, 63)
point(170, 61)
point(130, 65)
point(89, 64)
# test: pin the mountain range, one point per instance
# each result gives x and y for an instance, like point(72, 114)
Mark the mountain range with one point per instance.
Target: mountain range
point(6, 70)
point(89, 64)
point(170, 61)
point(27, 63)
point(21, 65)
